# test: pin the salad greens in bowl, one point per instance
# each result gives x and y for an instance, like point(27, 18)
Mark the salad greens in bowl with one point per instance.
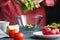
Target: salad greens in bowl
point(30, 27)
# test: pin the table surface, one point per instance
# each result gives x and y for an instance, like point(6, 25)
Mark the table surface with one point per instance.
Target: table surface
point(29, 36)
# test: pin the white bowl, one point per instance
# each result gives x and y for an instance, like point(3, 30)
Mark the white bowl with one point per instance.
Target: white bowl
point(39, 34)
point(3, 25)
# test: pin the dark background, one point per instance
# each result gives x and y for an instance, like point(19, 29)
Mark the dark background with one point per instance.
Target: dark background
point(53, 13)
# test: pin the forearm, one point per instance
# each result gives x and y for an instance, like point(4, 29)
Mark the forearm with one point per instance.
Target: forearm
point(34, 1)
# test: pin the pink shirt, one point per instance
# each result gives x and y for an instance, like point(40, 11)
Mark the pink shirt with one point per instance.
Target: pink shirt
point(9, 9)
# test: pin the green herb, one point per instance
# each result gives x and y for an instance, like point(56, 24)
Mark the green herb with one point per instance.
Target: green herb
point(29, 5)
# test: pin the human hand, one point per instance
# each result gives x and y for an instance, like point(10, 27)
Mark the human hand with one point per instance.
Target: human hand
point(35, 1)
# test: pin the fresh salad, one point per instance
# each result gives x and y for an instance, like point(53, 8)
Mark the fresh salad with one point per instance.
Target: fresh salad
point(30, 26)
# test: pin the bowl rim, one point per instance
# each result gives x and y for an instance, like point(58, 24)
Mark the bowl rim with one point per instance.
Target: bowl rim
point(4, 21)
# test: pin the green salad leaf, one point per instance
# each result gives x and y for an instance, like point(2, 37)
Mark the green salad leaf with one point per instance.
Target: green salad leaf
point(30, 26)
point(29, 5)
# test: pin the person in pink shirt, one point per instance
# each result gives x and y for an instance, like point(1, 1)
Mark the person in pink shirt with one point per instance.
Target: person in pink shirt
point(10, 9)
point(36, 11)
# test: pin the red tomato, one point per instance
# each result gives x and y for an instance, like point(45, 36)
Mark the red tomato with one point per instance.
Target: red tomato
point(57, 30)
point(46, 30)
point(11, 33)
point(52, 32)
point(18, 36)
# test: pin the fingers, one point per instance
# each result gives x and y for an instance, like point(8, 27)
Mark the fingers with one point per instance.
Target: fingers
point(37, 1)
point(22, 1)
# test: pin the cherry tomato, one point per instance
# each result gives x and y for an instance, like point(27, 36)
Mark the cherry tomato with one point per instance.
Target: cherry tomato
point(18, 36)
